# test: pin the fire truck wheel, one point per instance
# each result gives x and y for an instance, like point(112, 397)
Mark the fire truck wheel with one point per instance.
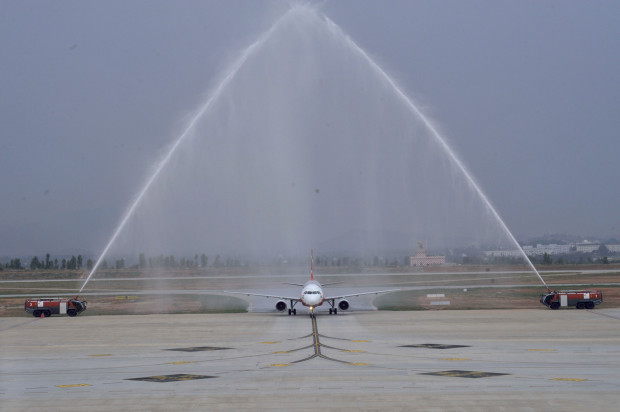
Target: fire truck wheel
point(71, 312)
point(555, 305)
point(581, 305)
point(589, 305)
point(47, 313)
point(36, 313)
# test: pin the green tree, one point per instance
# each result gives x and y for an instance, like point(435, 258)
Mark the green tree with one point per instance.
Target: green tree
point(34, 263)
point(79, 262)
point(204, 260)
point(48, 263)
point(547, 259)
point(72, 263)
point(89, 264)
point(141, 260)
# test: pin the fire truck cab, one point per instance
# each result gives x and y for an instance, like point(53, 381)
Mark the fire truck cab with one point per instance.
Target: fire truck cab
point(49, 306)
point(581, 299)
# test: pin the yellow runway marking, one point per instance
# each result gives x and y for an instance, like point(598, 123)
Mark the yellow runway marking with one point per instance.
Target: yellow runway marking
point(76, 385)
point(282, 351)
point(279, 365)
point(541, 350)
point(354, 350)
point(103, 354)
point(360, 364)
point(360, 341)
point(568, 379)
point(180, 362)
point(455, 359)
point(269, 343)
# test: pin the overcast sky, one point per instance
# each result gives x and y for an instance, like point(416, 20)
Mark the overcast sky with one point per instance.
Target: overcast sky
point(91, 94)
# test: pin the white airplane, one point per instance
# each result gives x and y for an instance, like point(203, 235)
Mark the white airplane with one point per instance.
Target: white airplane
point(312, 296)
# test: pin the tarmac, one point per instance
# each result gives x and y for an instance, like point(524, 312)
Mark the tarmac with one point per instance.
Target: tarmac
point(476, 360)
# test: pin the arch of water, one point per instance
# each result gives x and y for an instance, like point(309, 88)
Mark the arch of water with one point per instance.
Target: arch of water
point(307, 142)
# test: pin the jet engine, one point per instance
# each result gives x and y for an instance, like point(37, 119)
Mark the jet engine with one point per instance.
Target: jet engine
point(281, 305)
point(343, 304)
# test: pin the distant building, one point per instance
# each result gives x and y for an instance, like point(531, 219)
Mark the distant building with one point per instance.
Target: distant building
point(552, 249)
point(613, 248)
point(587, 247)
point(421, 258)
point(503, 253)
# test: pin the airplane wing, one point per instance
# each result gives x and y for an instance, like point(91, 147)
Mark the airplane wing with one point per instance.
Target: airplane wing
point(264, 296)
point(376, 292)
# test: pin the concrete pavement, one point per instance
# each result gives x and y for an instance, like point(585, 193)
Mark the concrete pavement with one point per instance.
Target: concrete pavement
point(430, 360)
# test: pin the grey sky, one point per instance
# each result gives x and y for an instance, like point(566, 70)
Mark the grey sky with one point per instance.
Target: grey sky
point(92, 93)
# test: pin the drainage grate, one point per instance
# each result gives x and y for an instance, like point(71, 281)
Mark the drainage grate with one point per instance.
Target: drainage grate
point(464, 374)
point(199, 349)
point(435, 346)
point(171, 378)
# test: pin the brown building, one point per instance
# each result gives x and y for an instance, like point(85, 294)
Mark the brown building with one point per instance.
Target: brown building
point(422, 259)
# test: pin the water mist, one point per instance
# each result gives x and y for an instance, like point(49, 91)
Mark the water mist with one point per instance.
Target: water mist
point(307, 142)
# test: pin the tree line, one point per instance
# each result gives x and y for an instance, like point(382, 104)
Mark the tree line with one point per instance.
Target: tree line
point(47, 263)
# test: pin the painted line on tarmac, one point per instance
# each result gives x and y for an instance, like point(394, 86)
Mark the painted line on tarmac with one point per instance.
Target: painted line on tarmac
point(569, 379)
point(317, 347)
point(180, 362)
point(19, 324)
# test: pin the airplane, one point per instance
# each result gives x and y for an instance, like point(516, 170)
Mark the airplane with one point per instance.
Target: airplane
point(312, 295)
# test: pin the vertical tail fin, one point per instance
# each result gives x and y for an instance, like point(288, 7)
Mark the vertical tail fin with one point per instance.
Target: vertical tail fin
point(311, 264)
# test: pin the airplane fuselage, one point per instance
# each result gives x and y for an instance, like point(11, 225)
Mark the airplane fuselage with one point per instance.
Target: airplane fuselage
point(312, 294)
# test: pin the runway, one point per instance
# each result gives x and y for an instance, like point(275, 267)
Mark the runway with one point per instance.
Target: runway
point(442, 360)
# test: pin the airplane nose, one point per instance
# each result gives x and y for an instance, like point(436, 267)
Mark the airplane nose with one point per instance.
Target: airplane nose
point(313, 300)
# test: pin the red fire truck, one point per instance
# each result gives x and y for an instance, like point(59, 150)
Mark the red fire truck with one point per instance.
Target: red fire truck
point(56, 306)
point(581, 299)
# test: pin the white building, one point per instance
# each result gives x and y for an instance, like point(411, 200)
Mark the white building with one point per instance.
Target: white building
point(613, 248)
point(502, 253)
point(587, 247)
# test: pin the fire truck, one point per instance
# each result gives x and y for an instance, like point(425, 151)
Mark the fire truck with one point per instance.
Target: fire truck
point(581, 299)
point(57, 306)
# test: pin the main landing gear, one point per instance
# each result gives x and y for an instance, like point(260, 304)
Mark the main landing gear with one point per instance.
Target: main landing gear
point(332, 303)
point(292, 312)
